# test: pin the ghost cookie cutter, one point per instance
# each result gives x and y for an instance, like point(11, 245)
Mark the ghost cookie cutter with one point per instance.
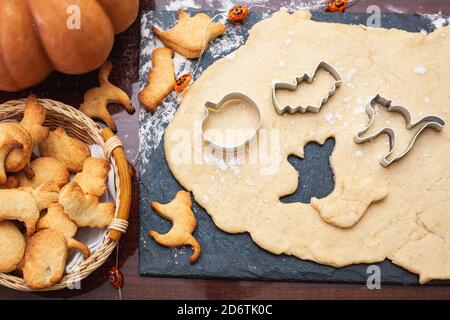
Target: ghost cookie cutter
point(309, 79)
point(216, 107)
point(433, 122)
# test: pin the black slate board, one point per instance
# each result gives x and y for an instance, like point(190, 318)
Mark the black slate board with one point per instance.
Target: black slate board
point(236, 256)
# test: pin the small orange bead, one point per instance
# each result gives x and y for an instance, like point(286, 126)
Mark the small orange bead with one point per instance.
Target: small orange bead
point(115, 277)
point(337, 5)
point(238, 13)
point(182, 82)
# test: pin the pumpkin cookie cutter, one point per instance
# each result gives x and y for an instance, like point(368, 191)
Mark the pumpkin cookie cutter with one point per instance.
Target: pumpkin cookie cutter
point(434, 122)
point(309, 79)
point(217, 106)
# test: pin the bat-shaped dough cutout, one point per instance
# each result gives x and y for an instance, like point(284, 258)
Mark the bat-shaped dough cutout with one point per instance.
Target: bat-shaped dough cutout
point(57, 219)
point(85, 209)
point(7, 143)
point(92, 179)
point(45, 259)
point(160, 80)
point(191, 35)
point(96, 100)
point(179, 212)
point(70, 151)
point(12, 246)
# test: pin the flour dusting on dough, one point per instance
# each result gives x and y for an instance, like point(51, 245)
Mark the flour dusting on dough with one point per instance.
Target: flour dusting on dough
point(420, 70)
point(358, 154)
point(332, 117)
point(231, 163)
point(350, 74)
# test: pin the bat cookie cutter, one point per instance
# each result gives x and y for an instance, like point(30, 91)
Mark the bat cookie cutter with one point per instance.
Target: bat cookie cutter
point(434, 122)
point(309, 79)
point(238, 97)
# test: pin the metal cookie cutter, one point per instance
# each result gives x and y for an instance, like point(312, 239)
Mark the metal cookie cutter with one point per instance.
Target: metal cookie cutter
point(217, 106)
point(307, 78)
point(433, 122)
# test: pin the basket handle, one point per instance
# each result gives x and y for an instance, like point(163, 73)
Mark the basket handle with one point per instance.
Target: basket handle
point(125, 187)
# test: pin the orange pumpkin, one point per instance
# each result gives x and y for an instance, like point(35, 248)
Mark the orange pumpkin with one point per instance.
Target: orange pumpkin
point(39, 36)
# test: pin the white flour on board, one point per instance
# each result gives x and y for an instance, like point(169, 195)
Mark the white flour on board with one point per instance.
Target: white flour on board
point(394, 9)
point(438, 20)
point(227, 44)
point(182, 4)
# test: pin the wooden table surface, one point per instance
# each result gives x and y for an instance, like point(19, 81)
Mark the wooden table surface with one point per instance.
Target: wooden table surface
point(125, 58)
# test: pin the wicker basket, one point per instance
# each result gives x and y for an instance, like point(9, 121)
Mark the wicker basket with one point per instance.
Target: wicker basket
point(81, 127)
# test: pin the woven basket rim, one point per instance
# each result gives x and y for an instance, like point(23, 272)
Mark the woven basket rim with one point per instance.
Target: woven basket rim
point(13, 109)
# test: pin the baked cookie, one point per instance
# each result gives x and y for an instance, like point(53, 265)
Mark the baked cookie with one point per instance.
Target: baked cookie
point(18, 158)
point(45, 169)
point(85, 209)
point(45, 259)
point(44, 195)
point(93, 178)
point(179, 212)
point(70, 151)
point(7, 143)
point(57, 219)
point(191, 35)
point(33, 120)
point(19, 205)
point(96, 100)
point(12, 246)
point(160, 79)
point(11, 183)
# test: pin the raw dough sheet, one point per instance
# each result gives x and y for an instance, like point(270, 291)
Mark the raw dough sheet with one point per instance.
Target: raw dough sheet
point(410, 226)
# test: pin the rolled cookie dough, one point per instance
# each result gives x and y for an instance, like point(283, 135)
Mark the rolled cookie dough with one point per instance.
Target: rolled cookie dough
point(410, 226)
